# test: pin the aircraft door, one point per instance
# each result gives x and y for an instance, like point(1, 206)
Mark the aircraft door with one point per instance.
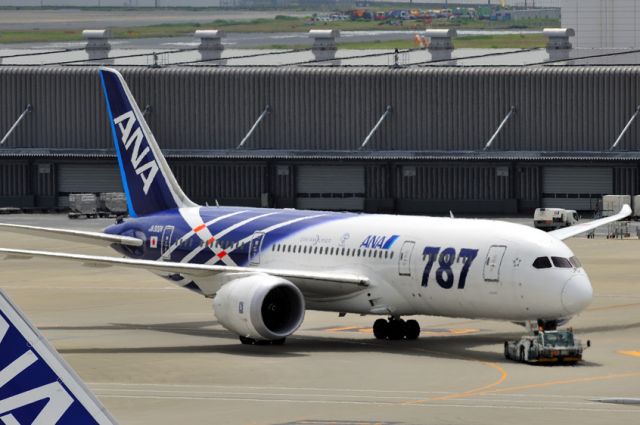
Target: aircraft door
point(404, 260)
point(165, 243)
point(255, 247)
point(492, 263)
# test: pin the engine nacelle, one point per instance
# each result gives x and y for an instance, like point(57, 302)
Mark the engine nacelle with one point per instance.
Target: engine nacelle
point(260, 306)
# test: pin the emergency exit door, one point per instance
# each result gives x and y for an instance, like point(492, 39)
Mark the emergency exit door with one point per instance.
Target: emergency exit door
point(493, 262)
point(404, 260)
point(165, 243)
point(255, 247)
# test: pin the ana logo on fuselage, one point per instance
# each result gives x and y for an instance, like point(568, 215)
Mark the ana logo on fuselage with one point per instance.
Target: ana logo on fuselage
point(148, 170)
point(378, 242)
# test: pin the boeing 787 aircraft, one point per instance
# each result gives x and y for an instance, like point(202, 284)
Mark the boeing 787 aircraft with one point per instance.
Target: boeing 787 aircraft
point(265, 267)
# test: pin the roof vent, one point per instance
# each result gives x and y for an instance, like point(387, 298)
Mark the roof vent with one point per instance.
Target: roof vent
point(97, 39)
point(97, 46)
point(210, 39)
point(558, 38)
point(441, 39)
point(324, 39)
point(324, 47)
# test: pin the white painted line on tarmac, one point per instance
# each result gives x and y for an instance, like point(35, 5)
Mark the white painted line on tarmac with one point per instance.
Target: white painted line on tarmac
point(367, 403)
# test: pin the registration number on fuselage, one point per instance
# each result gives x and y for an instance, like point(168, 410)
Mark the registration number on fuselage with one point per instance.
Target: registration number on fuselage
point(444, 275)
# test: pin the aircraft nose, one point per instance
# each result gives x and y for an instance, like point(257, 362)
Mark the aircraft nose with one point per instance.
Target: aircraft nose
point(577, 294)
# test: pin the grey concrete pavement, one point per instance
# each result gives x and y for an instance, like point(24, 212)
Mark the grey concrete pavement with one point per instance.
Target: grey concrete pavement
point(154, 353)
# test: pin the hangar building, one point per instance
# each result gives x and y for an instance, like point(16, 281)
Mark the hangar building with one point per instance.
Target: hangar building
point(423, 131)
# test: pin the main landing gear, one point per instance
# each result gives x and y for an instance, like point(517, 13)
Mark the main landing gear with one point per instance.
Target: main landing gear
point(395, 328)
point(250, 341)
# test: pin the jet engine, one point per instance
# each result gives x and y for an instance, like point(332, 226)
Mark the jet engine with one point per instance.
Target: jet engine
point(260, 307)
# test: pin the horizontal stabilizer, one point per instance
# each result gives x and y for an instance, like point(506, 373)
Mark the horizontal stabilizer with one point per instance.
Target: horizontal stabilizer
point(94, 238)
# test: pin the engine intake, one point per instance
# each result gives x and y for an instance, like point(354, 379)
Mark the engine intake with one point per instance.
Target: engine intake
point(260, 306)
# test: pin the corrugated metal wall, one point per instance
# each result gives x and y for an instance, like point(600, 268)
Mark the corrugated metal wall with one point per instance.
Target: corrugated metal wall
point(14, 179)
point(45, 179)
point(452, 182)
point(625, 180)
point(565, 109)
point(237, 182)
point(528, 183)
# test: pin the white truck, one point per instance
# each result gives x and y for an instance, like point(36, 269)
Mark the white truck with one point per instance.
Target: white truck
point(551, 346)
point(554, 218)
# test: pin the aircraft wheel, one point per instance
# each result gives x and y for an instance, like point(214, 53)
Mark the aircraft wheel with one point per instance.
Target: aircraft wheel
point(247, 341)
point(411, 330)
point(506, 351)
point(381, 329)
point(280, 341)
point(396, 329)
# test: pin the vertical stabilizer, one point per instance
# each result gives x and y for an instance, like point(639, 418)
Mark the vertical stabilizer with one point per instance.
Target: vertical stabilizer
point(36, 385)
point(146, 177)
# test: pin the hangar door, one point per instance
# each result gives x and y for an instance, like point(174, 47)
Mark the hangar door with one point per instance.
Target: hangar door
point(330, 187)
point(576, 188)
point(85, 178)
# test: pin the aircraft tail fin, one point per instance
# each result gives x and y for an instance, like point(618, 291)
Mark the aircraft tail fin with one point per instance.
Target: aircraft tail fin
point(36, 384)
point(146, 177)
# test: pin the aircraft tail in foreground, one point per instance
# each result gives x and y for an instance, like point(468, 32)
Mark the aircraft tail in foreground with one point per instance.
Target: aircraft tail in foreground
point(36, 385)
point(146, 177)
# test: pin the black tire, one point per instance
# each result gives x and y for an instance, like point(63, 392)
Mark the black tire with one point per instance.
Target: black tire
point(411, 330)
point(396, 329)
point(381, 329)
point(247, 341)
point(280, 341)
point(506, 351)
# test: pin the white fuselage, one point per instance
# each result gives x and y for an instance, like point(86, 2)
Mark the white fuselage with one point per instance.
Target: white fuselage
point(421, 271)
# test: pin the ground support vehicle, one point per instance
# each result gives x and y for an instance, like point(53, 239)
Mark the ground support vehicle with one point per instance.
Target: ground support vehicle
point(551, 346)
point(554, 218)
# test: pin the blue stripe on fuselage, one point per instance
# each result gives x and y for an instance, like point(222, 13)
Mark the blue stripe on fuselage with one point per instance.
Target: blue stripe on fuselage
point(153, 225)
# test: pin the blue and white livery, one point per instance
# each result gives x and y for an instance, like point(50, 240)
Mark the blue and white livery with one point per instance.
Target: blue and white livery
point(36, 385)
point(265, 267)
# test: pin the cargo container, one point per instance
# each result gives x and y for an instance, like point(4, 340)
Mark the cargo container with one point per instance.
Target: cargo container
point(612, 204)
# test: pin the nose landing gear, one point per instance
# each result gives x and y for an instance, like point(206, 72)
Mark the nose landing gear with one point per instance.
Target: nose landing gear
point(395, 329)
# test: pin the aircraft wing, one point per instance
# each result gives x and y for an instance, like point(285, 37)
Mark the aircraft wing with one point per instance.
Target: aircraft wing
point(569, 232)
point(95, 238)
point(311, 283)
point(35, 373)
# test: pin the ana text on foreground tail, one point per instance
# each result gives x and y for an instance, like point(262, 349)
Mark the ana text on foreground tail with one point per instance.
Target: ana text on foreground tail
point(265, 267)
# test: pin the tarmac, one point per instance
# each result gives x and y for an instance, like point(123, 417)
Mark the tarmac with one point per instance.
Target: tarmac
point(154, 353)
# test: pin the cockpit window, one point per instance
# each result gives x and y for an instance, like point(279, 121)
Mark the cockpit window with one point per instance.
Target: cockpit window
point(542, 263)
point(575, 262)
point(562, 263)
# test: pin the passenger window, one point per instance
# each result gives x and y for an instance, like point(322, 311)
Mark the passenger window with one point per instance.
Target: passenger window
point(391, 256)
point(562, 263)
point(542, 263)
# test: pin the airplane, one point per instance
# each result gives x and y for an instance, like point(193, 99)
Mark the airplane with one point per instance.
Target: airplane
point(32, 372)
point(265, 267)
